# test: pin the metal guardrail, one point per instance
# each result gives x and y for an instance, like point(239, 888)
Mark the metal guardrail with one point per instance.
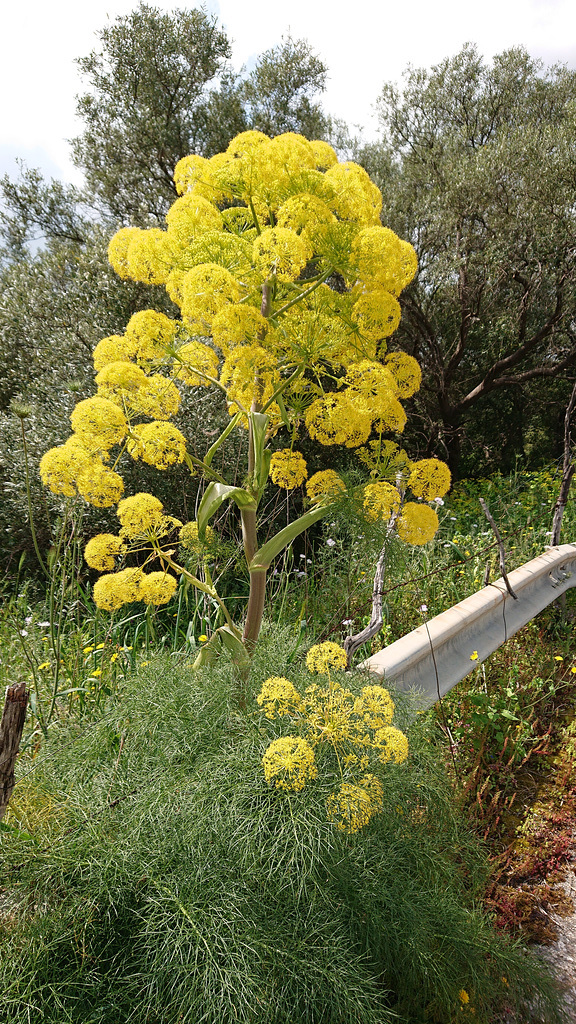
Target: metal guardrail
point(431, 659)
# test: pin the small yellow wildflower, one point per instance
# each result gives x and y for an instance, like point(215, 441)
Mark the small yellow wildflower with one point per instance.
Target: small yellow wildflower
point(474, 656)
point(87, 650)
point(463, 996)
point(97, 672)
point(45, 664)
point(202, 638)
point(558, 657)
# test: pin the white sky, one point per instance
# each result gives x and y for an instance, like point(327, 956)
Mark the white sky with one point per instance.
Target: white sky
point(363, 42)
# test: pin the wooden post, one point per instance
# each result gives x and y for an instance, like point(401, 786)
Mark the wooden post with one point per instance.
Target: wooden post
point(11, 726)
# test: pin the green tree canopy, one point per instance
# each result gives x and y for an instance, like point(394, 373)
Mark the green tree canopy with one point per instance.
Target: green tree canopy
point(161, 87)
point(477, 165)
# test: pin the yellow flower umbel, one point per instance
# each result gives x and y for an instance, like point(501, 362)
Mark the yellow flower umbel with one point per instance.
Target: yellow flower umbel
point(288, 469)
point(278, 696)
point(332, 722)
point(289, 764)
point(322, 657)
point(350, 809)
point(324, 485)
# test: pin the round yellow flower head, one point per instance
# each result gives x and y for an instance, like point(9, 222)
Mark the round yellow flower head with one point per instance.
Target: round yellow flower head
point(188, 172)
point(418, 523)
point(355, 197)
point(377, 314)
point(206, 290)
point(151, 333)
point(100, 486)
point(278, 697)
point(381, 499)
point(408, 261)
point(61, 466)
point(375, 706)
point(238, 325)
point(288, 469)
point(157, 587)
point(406, 373)
point(429, 479)
point(338, 419)
point(116, 589)
point(191, 215)
point(281, 252)
point(377, 254)
point(118, 250)
point(322, 657)
point(101, 551)
point(324, 485)
point(98, 420)
point(160, 444)
point(115, 349)
point(392, 743)
point(303, 213)
point(324, 154)
point(350, 809)
point(139, 514)
point(158, 397)
point(149, 257)
point(289, 764)
point(194, 362)
point(120, 382)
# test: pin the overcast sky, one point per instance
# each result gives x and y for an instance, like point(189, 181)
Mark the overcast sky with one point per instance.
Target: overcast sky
point(363, 43)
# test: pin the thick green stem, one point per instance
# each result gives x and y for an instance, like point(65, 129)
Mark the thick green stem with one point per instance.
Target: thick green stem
point(303, 295)
point(255, 610)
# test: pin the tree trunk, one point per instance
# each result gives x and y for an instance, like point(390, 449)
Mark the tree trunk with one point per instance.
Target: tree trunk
point(11, 726)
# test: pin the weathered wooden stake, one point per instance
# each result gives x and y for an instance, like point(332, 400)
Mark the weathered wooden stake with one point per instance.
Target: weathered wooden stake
point(11, 726)
point(568, 468)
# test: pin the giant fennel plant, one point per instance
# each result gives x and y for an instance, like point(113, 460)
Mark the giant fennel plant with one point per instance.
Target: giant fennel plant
point(288, 288)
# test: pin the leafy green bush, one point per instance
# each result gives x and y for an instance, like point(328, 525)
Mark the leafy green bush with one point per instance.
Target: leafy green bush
point(150, 874)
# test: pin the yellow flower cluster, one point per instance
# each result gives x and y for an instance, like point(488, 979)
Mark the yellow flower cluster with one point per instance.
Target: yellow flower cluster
point(351, 808)
point(140, 514)
point(288, 469)
point(429, 479)
point(323, 657)
point(158, 443)
point(329, 717)
point(102, 550)
point(249, 254)
point(289, 763)
point(190, 539)
point(114, 590)
point(381, 499)
point(324, 485)
point(417, 524)
point(278, 696)
point(265, 210)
